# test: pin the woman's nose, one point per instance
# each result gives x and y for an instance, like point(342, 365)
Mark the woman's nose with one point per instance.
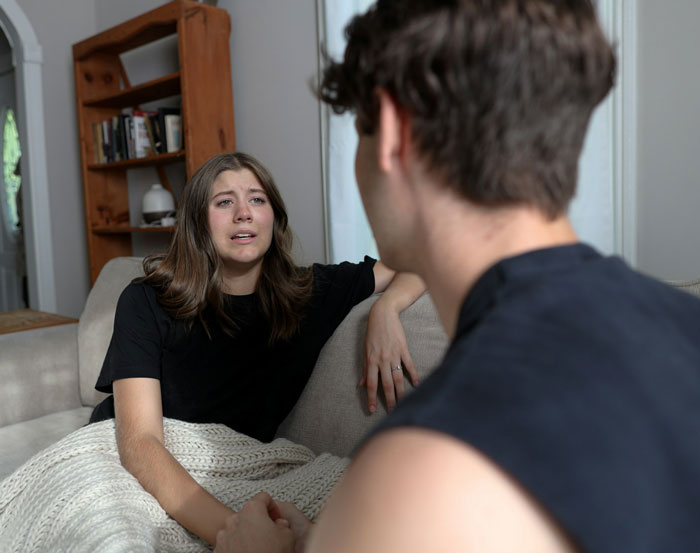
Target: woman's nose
point(242, 213)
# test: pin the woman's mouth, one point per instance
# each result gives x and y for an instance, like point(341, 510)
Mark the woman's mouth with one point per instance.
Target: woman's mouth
point(243, 237)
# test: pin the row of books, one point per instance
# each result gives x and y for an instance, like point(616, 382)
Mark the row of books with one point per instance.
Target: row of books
point(136, 134)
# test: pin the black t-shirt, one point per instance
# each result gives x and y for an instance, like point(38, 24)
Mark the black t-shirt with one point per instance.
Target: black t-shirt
point(580, 378)
point(239, 381)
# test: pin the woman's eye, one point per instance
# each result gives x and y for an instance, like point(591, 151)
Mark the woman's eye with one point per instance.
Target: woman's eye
point(258, 201)
point(224, 203)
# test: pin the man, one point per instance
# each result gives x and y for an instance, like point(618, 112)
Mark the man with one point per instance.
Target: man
point(566, 413)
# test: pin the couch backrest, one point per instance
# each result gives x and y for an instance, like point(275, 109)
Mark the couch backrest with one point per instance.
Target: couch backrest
point(331, 415)
point(690, 286)
point(97, 321)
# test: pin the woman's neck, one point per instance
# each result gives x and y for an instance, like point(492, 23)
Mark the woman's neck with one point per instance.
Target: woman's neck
point(239, 281)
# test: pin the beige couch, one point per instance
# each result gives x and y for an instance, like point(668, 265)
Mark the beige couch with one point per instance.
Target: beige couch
point(48, 375)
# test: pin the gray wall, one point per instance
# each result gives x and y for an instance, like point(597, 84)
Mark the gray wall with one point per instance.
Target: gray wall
point(669, 139)
point(273, 54)
point(57, 26)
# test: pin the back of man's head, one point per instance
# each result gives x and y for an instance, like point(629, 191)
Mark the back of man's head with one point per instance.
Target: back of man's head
point(500, 92)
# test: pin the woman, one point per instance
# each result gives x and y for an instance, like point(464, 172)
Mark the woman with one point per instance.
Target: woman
point(225, 328)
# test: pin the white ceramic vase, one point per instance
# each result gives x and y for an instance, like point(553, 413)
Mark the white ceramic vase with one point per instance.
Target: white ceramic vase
point(157, 203)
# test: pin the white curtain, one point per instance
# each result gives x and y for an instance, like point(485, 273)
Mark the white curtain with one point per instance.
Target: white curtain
point(349, 235)
point(593, 211)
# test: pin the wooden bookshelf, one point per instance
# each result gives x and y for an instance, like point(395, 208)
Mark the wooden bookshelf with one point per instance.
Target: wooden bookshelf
point(103, 90)
point(132, 96)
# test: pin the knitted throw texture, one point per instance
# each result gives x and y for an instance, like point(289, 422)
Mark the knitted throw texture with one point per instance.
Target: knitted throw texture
point(75, 496)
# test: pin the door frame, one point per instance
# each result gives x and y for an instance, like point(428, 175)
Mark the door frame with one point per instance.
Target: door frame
point(36, 214)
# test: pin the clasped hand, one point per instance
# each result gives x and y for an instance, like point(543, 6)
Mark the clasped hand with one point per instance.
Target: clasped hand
point(264, 526)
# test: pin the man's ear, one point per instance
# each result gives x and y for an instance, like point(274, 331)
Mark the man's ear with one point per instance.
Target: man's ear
point(393, 131)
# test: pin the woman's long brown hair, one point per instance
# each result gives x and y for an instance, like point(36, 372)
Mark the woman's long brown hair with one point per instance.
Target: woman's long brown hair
point(188, 278)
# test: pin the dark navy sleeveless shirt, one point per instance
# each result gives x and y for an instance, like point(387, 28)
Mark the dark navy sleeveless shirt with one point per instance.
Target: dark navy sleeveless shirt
point(581, 378)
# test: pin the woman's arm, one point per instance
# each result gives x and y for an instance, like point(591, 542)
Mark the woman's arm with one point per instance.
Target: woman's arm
point(139, 422)
point(385, 343)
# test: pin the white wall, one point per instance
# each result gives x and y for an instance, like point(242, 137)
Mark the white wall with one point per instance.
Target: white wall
point(57, 26)
point(669, 139)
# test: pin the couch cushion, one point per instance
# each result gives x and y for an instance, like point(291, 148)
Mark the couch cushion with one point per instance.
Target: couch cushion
point(19, 442)
point(97, 322)
point(38, 372)
point(331, 415)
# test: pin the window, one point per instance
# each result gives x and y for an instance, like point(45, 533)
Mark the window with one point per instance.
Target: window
point(11, 155)
point(594, 212)
point(349, 234)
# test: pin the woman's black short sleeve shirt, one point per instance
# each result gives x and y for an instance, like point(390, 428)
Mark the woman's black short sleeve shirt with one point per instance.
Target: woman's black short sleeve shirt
point(239, 381)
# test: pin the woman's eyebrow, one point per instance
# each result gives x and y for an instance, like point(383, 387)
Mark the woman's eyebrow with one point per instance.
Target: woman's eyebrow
point(222, 193)
point(257, 191)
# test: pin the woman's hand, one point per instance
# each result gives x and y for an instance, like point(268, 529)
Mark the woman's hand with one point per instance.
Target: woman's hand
point(386, 355)
point(257, 528)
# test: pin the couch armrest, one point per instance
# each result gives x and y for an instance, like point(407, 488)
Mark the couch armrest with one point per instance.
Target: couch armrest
point(38, 372)
point(331, 414)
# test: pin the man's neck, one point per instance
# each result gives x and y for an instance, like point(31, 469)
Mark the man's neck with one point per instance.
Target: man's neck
point(470, 239)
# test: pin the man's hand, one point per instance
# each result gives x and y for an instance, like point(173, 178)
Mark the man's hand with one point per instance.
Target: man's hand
point(299, 524)
point(257, 528)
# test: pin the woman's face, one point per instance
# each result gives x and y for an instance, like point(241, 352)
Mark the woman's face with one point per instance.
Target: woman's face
point(241, 222)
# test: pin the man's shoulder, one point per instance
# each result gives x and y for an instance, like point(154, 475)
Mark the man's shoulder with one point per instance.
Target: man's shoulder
point(425, 490)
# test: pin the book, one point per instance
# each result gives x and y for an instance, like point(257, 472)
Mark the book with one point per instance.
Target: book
point(173, 133)
point(141, 142)
point(123, 148)
point(116, 139)
point(130, 142)
point(105, 141)
point(97, 148)
point(162, 112)
point(157, 134)
point(153, 148)
point(146, 114)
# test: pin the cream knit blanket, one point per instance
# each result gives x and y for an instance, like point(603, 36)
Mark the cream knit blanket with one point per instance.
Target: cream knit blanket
point(75, 496)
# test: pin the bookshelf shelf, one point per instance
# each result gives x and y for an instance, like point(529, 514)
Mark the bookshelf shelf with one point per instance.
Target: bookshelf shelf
point(160, 159)
point(103, 91)
point(129, 230)
point(157, 23)
point(146, 92)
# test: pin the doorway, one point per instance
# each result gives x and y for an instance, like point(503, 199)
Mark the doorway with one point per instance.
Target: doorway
point(25, 56)
point(12, 265)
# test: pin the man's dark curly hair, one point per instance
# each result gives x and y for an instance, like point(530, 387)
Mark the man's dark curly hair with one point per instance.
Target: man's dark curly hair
point(500, 91)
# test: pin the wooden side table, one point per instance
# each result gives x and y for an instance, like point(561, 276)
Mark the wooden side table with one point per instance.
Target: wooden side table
point(29, 319)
